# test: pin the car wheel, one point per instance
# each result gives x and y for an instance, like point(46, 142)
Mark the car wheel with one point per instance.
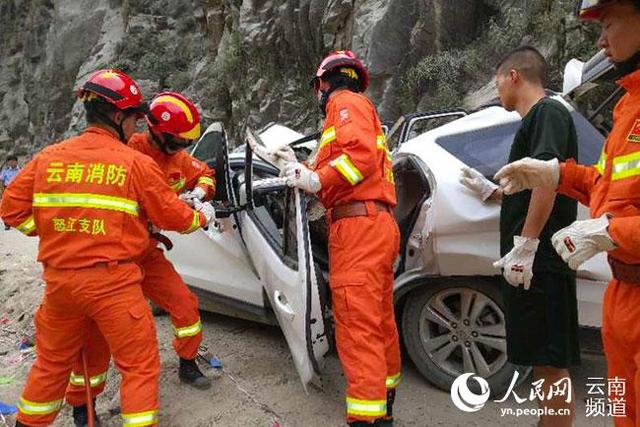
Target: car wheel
point(458, 326)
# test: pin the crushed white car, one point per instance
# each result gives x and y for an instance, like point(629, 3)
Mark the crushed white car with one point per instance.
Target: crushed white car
point(270, 264)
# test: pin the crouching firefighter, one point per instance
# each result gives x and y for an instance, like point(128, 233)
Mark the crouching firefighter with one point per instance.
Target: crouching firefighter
point(173, 123)
point(89, 199)
point(352, 175)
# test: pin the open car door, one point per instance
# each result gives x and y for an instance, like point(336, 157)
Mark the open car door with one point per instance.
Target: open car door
point(215, 264)
point(276, 233)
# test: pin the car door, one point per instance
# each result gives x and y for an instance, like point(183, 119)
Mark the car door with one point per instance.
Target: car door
point(276, 233)
point(216, 264)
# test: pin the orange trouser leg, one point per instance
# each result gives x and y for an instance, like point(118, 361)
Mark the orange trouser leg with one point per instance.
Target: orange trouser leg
point(164, 286)
point(60, 335)
point(112, 298)
point(98, 356)
point(621, 337)
point(361, 255)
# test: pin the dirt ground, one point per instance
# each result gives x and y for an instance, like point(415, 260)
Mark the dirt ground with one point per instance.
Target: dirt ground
point(258, 385)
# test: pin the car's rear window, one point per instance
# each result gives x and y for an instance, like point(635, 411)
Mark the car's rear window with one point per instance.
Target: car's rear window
point(590, 141)
point(487, 149)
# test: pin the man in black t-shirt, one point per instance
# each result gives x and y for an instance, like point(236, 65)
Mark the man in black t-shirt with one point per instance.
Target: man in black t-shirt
point(539, 289)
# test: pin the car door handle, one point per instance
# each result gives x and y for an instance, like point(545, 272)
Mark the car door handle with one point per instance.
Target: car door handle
point(283, 306)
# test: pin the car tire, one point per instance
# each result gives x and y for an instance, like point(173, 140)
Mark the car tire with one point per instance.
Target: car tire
point(418, 322)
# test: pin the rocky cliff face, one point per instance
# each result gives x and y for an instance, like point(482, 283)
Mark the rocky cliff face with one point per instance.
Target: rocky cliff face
point(248, 62)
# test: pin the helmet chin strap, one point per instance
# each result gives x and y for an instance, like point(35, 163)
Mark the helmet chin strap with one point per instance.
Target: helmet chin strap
point(324, 99)
point(117, 127)
point(627, 67)
point(159, 143)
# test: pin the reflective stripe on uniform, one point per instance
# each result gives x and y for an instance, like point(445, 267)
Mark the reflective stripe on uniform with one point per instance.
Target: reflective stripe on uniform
point(39, 408)
point(367, 408)
point(393, 381)
point(602, 163)
point(96, 380)
point(195, 223)
point(381, 144)
point(140, 419)
point(327, 137)
point(347, 169)
point(626, 166)
point(178, 184)
point(28, 226)
point(188, 331)
point(85, 200)
point(205, 180)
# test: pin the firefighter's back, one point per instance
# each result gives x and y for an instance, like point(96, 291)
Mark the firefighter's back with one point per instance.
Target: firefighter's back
point(86, 202)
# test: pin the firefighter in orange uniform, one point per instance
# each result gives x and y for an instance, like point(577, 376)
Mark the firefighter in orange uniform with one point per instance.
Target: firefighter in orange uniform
point(611, 189)
point(352, 175)
point(173, 123)
point(89, 199)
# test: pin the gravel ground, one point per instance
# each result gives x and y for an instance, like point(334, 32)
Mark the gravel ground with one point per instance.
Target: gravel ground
point(258, 385)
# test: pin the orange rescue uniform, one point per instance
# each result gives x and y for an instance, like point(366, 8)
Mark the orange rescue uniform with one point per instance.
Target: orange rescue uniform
point(354, 165)
point(612, 186)
point(89, 199)
point(160, 283)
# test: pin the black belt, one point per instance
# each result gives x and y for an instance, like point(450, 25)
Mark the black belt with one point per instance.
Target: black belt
point(629, 273)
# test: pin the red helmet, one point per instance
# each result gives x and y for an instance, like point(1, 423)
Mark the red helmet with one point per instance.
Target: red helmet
point(591, 10)
point(347, 59)
point(175, 114)
point(114, 87)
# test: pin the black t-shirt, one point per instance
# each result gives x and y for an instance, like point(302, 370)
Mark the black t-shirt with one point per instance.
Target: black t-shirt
point(547, 131)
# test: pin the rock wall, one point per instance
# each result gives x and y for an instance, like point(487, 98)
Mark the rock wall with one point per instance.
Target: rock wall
point(248, 62)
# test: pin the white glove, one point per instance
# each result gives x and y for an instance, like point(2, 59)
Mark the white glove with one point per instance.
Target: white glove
point(476, 182)
point(285, 153)
point(528, 173)
point(582, 240)
point(300, 176)
point(189, 196)
point(207, 209)
point(517, 265)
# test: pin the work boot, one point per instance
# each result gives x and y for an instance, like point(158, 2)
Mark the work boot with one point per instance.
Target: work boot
point(81, 416)
point(189, 373)
point(388, 419)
